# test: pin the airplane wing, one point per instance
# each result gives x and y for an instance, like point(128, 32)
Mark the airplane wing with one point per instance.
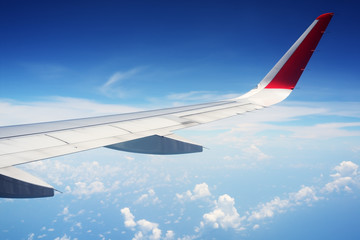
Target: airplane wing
point(148, 132)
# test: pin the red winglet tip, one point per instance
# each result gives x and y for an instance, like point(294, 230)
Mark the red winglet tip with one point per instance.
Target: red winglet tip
point(325, 15)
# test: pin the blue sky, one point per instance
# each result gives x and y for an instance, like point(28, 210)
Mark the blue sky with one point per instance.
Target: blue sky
point(290, 171)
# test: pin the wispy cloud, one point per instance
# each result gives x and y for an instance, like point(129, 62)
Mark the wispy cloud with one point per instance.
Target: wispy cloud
point(47, 71)
point(292, 118)
point(111, 87)
point(198, 96)
point(55, 108)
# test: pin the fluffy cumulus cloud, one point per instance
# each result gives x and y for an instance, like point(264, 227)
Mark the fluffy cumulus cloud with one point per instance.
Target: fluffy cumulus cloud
point(143, 228)
point(200, 191)
point(346, 175)
point(129, 218)
point(224, 214)
point(149, 228)
point(346, 168)
point(304, 195)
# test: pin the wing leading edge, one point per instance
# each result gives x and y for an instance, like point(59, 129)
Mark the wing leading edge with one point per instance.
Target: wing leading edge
point(149, 132)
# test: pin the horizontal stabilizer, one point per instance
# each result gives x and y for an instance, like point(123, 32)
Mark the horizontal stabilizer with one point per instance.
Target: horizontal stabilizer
point(15, 183)
point(156, 144)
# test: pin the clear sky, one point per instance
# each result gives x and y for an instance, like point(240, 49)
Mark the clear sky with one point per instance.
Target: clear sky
point(287, 172)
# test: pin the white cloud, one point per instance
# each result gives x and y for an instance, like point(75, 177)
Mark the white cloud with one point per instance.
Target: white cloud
point(169, 235)
point(346, 169)
point(109, 87)
point(85, 178)
point(199, 96)
point(251, 124)
point(55, 108)
point(343, 179)
point(325, 130)
point(188, 237)
point(118, 76)
point(268, 209)
point(138, 236)
point(67, 215)
point(142, 198)
point(200, 191)
point(65, 237)
point(65, 211)
point(79, 225)
point(304, 195)
point(254, 152)
point(31, 236)
point(145, 229)
point(345, 176)
point(338, 184)
point(151, 228)
point(147, 198)
point(129, 218)
point(84, 189)
point(224, 215)
point(256, 226)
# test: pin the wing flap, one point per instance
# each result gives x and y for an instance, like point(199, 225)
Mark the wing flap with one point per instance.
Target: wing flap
point(159, 145)
point(15, 183)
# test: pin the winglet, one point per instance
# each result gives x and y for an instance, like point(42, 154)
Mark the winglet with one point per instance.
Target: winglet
point(325, 15)
point(286, 73)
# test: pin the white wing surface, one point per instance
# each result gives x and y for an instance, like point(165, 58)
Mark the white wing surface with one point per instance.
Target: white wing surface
point(149, 132)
